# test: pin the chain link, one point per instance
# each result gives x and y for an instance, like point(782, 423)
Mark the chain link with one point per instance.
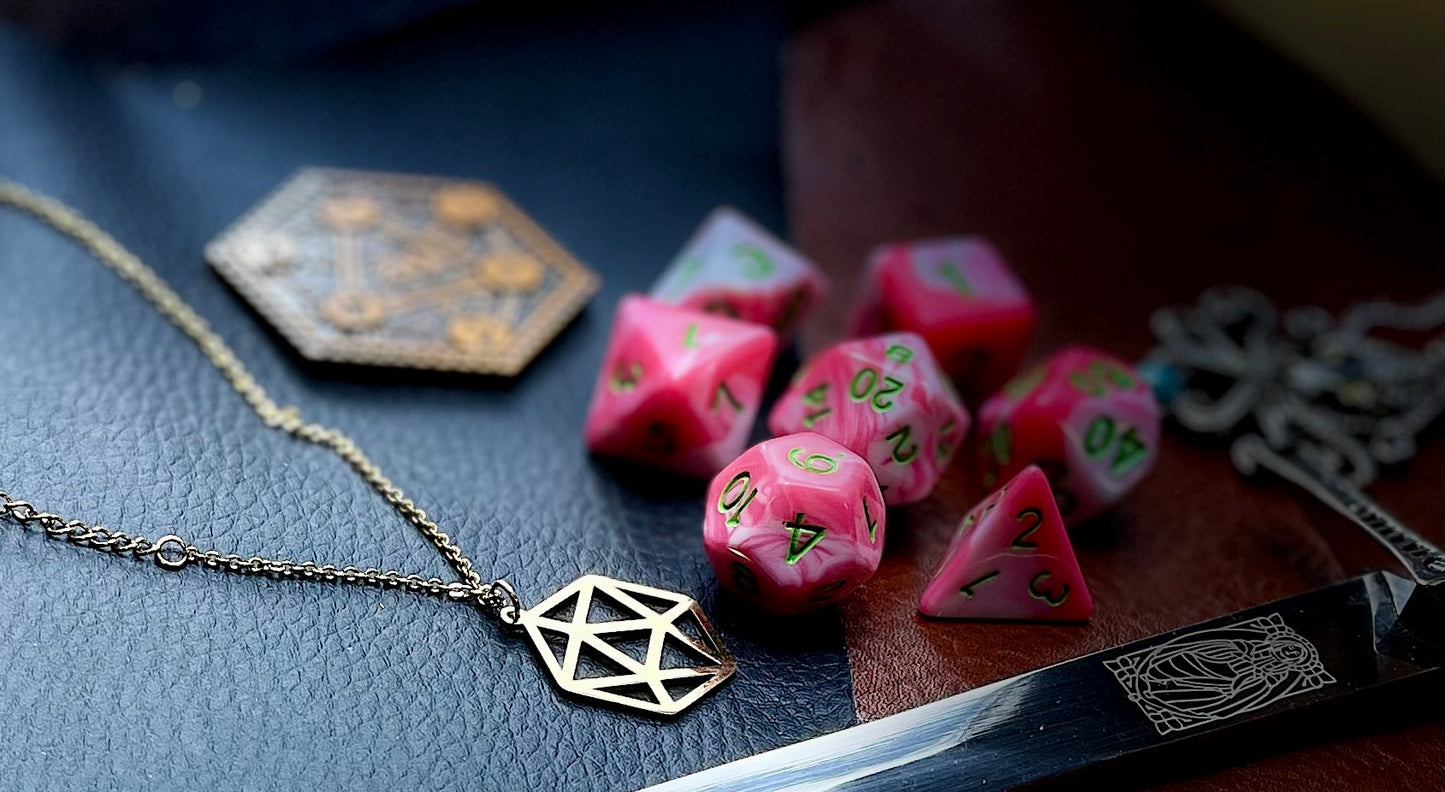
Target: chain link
point(171, 552)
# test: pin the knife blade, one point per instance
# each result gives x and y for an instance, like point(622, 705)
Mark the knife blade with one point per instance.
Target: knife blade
point(1200, 680)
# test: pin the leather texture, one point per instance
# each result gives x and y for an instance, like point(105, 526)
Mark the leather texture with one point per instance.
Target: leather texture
point(617, 133)
point(1123, 157)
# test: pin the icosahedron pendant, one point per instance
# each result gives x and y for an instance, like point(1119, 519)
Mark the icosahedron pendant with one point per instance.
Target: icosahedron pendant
point(629, 645)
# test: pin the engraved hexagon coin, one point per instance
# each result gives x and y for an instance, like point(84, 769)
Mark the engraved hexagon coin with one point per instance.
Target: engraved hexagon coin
point(397, 270)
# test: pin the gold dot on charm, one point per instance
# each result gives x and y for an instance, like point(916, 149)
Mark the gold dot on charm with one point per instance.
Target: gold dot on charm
point(475, 333)
point(353, 311)
point(510, 271)
point(465, 206)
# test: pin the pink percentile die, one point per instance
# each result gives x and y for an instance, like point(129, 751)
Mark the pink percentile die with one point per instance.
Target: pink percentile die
point(1087, 418)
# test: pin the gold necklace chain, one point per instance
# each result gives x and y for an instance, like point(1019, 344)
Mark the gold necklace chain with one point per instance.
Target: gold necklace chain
point(171, 552)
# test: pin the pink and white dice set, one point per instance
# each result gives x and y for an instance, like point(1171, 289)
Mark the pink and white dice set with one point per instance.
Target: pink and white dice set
point(797, 522)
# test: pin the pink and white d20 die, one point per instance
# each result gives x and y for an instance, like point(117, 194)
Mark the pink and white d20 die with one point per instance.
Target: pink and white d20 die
point(1084, 416)
point(794, 524)
point(958, 294)
point(678, 389)
point(885, 399)
point(733, 267)
point(1011, 559)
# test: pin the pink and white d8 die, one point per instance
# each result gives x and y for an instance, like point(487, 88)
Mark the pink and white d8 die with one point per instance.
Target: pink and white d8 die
point(733, 267)
point(958, 294)
point(1083, 416)
point(885, 399)
point(678, 389)
point(794, 524)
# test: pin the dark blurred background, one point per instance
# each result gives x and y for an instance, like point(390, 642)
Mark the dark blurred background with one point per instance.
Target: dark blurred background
point(1385, 57)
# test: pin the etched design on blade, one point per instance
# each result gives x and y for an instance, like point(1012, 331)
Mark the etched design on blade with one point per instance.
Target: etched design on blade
point(1212, 675)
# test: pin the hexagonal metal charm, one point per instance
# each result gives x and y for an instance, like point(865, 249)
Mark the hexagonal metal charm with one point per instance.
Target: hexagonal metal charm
point(628, 645)
point(397, 270)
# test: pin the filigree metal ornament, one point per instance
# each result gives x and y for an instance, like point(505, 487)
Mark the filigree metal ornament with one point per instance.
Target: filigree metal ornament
point(1332, 390)
point(396, 270)
point(1211, 675)
point(628, 645)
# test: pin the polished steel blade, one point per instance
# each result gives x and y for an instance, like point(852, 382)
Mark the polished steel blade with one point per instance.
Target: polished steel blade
point(1158, 692)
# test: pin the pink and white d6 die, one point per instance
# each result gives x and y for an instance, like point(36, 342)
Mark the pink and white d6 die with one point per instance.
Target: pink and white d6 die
point(794, 524)
point(958, 294)
point(886, 400)
point(678, 389)
point(733, 267)
point(1083, 416)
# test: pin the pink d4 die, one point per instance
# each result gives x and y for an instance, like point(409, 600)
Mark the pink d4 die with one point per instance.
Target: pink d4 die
point(794, 524)
point(961, 297)
point(1011, 559)
point(1087, 418)
point(885, 399)
point(733, 267)
point(678, 389)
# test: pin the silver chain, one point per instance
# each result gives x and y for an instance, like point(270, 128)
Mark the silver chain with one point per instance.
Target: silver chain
point(172, 552)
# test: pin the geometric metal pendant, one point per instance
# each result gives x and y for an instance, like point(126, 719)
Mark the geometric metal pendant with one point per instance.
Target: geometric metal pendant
point(628, 645)
point(400, 270)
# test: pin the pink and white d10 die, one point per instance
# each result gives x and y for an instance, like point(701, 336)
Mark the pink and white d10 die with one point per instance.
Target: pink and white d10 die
point(678, 389)
point(1084, 416)
point(794, 524)
point(958, 294)
point(885, 399)
point(733, 267)
point(1011, 559)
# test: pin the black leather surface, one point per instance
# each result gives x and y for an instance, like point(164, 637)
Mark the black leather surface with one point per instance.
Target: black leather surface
point(617, 135)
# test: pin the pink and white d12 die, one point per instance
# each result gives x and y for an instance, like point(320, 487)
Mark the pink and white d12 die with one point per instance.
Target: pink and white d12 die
point(733, 267)
point(678, 389)
point(794, 524)
point(958, 294)
point(885, 399)
point(1011, 559)
point(1084, 416)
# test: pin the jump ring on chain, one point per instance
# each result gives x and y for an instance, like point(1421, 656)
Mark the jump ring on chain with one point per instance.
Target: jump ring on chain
point(176, 547)
point(510, 610)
